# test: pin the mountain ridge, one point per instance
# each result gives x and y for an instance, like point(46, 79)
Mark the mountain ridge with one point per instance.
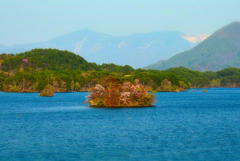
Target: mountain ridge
point(220, 50)
point(137, 50)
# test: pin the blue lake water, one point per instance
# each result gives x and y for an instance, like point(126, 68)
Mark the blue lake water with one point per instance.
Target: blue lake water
point(182, 126)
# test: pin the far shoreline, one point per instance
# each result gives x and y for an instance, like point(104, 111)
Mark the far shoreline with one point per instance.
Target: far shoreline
point(156, 91)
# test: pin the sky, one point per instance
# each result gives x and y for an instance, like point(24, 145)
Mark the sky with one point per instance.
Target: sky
point(29, 21)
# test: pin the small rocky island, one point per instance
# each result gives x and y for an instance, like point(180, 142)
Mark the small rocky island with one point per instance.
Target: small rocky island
point(111, 92)
point(47, 91)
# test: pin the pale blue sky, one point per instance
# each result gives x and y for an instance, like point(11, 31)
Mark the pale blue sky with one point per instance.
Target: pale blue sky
point(28, 21)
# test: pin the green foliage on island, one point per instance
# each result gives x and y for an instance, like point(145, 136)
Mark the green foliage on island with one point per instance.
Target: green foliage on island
point(114, 93)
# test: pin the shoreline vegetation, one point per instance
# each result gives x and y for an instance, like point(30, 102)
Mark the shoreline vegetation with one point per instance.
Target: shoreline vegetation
point(64, 71)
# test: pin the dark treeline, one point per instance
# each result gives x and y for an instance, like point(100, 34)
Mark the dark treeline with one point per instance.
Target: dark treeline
point(32, 71)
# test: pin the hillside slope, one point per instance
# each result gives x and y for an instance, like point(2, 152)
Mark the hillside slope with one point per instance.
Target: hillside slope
point(220, 50)
point(55, 60)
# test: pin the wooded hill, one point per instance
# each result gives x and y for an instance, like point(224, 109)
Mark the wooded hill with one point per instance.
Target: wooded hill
point(55, 60)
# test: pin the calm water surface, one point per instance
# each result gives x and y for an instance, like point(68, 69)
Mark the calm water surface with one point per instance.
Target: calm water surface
point(181, 126)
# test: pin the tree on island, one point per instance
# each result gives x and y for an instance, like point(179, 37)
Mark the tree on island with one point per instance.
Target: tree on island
point(111, 92)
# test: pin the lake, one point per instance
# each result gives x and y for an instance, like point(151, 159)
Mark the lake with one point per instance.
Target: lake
point(190, 125)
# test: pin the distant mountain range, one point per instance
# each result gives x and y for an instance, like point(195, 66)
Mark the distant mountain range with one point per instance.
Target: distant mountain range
point(219, 51)
point(137, 50)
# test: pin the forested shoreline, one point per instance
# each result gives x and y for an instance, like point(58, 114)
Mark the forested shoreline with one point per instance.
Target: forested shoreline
point(32, 71)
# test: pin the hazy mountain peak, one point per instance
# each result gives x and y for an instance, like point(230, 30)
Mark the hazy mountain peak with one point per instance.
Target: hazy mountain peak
point(87, 31)
point(234, 23)
point(231, 31)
